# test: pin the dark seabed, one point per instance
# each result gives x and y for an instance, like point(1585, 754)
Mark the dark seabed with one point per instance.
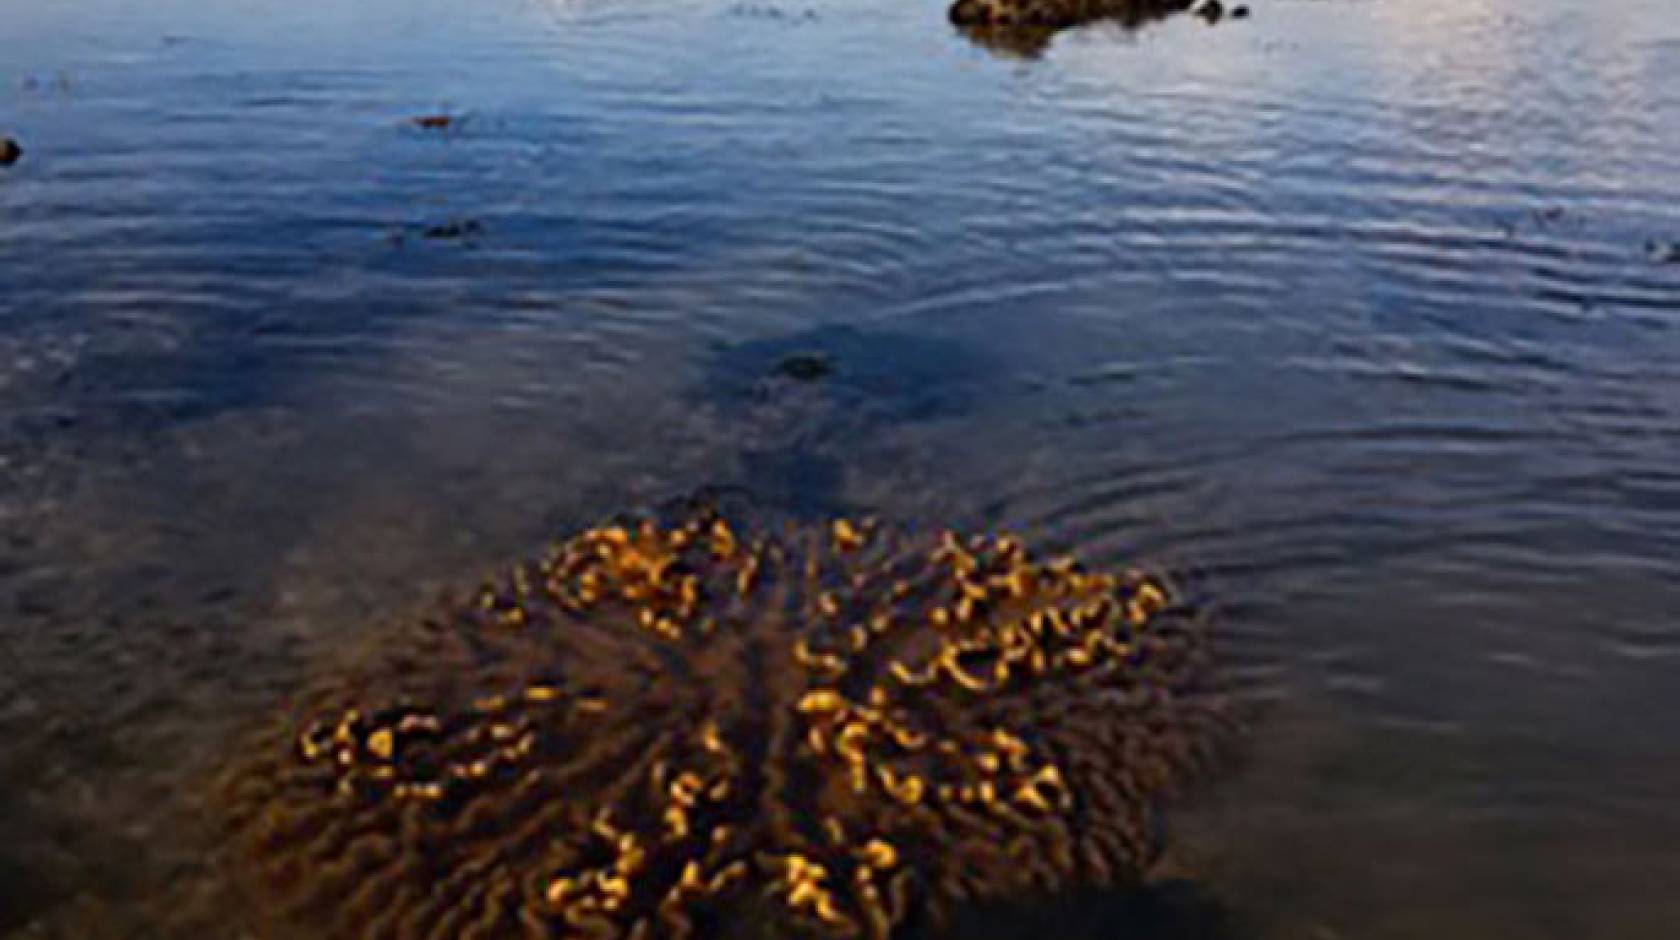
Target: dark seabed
point(1365, 311)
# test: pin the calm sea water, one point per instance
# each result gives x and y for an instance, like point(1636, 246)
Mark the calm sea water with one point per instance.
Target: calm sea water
point(1361, 310)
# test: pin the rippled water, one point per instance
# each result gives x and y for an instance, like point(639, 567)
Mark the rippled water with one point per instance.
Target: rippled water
point(1360, 310)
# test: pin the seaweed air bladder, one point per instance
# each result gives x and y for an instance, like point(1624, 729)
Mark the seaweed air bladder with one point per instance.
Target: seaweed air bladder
point(658, 726)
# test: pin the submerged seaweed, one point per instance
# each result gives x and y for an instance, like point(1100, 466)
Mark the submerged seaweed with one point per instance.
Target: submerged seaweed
point(655, 727)
point(798, 404)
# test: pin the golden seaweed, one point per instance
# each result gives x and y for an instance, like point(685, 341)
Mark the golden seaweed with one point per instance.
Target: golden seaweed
point(655, 725)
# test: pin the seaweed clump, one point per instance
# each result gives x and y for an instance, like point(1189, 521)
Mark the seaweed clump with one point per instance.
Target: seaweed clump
point(1026, 27)
point(658, 727)
point(1060, 14)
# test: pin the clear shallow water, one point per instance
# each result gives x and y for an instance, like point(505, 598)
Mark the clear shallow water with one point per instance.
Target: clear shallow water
point(1348, 307)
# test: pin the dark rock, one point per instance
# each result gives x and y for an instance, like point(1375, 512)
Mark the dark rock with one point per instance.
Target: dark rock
point(1239, 13)
point(434, 122)
point(1213, 11)
point(10, 151)
point(806, 366)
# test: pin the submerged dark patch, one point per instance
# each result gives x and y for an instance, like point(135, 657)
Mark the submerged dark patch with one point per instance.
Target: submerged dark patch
point(890, 377)
point(800, 402)
point(1167, 909)
point(805, 367)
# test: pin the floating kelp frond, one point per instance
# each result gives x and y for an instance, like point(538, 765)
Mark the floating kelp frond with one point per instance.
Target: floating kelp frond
point(654, 726)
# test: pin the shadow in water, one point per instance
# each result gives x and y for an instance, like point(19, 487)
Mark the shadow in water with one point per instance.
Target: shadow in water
point(1174, 909)
point(24, 894)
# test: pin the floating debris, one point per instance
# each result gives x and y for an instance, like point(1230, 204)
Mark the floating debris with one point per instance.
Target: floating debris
point(656, 728)
point(456, 229)
point(10, 151)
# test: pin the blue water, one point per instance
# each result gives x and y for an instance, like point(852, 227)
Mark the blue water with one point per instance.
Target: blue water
point(1361, 311)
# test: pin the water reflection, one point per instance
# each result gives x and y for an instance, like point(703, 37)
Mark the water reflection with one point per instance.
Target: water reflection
point(1364, 310)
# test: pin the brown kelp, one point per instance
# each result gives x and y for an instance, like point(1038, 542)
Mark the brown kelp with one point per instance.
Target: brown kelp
point(1025, 27)
point(657, 725)
point(1059, 14)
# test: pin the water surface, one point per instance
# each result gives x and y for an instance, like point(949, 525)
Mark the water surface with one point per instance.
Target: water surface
point(1359, 310)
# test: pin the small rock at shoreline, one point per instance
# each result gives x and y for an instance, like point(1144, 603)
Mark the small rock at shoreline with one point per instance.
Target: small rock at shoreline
point(1213, 11)
point(10, 151)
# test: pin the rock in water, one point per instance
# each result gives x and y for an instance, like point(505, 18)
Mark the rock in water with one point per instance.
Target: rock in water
point(656, 727)
point(1025, 28)
point(1058, 14)
point(10, 151)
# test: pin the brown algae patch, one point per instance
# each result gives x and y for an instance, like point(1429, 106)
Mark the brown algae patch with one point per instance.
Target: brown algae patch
point(657, 726)
point(1026, 27)
point(1060, 14)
